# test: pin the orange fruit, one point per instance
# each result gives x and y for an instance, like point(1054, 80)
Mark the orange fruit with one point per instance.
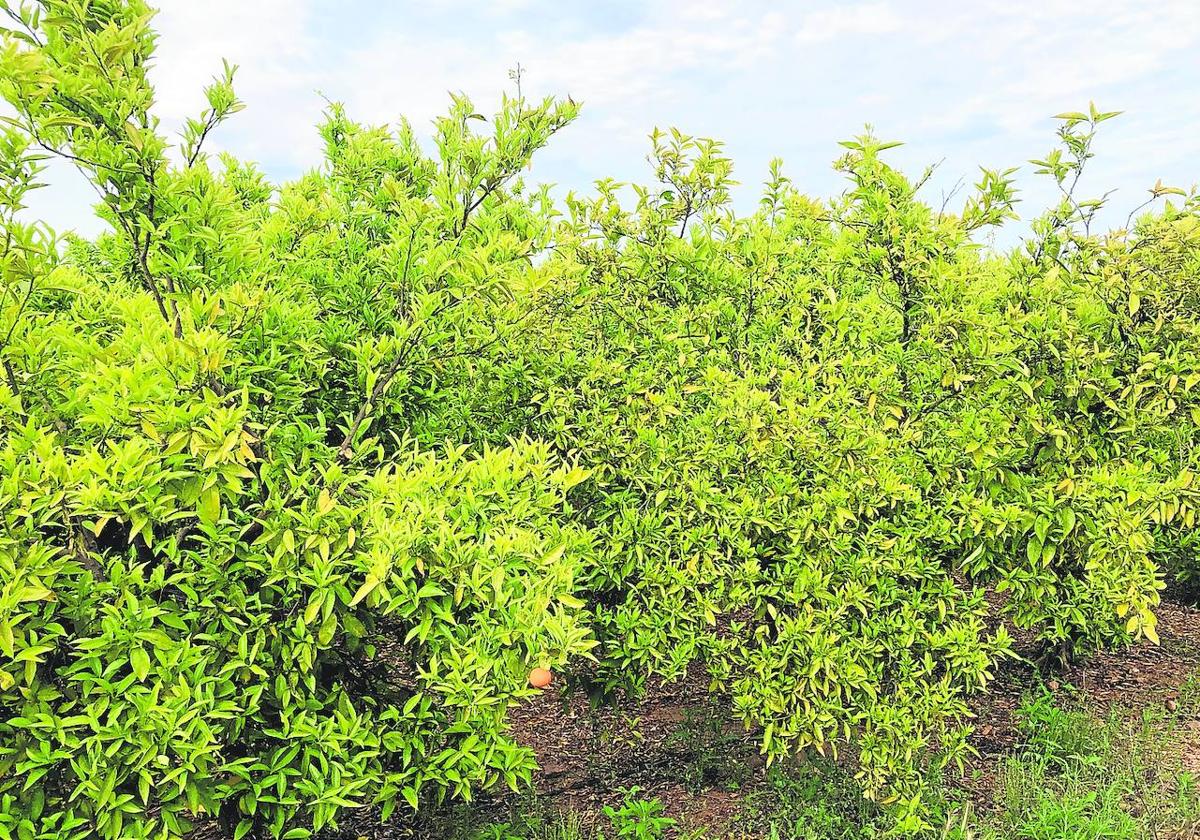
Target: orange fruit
point(540, 677)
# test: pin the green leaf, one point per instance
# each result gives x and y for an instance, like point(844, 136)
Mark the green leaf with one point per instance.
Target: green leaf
point(363, 591)
point(208, 507)
point(1033, 550)
point(410, 796)
point(140, 661)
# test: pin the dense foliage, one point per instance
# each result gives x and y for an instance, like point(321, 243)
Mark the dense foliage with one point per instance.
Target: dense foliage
point(299, 482)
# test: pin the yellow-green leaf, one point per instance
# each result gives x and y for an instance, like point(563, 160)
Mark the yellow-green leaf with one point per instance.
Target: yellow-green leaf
point(209, 506)
point(140, 661)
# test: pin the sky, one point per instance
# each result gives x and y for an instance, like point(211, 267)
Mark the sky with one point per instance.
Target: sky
point(963, 84)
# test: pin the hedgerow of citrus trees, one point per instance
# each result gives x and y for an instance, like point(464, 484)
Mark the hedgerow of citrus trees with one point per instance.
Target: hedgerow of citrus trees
point(298, 483)
point(816, 433)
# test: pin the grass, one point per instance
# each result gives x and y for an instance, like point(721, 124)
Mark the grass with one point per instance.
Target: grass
point(636, 818)
point(714, 752)
point(527, 818)
point(566, 826)
point(815, 800)
point(1083, 775)
point(1075, 806)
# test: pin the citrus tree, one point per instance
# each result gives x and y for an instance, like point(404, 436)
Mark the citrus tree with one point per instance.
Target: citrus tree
point(228, 586)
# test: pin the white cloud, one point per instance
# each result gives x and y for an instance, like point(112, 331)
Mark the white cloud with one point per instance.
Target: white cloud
point(277, 51)
point(646, 63)
point(847, 21)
